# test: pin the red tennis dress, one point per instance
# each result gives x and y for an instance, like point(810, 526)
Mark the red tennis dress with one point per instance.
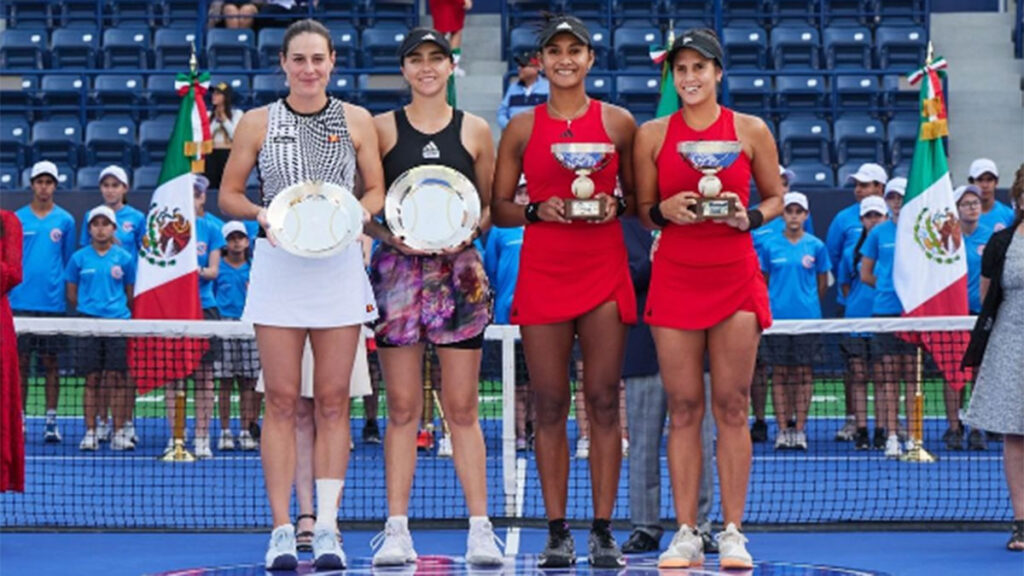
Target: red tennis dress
point(567, 270)
point(703, 273)
point(12, 441)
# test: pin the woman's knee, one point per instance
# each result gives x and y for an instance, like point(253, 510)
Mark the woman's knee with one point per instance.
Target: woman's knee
point(550, 408)
point(404, 410)
point(281, 405)
point(603, 406)
point(461, 411)
point(731, 408)
point(685, 411)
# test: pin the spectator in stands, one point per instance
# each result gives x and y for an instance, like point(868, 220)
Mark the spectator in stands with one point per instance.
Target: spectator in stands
point(573, 281)
point(49, 243)
point(796, 267)
point(450, 19)
point(224, 117)
point(239, 359)
point(238, 13)
point(99, 285)
point(985, 175)
point(894, 358)
point(280, 13)
point(529, 89)
point(707, 294)
point(12, 433)
point(996, 343)
point(860, 302)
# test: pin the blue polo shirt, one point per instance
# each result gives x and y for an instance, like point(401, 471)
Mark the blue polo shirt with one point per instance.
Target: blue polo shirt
point(843, 232)
point(974, 244)
point(231, 286)
point(999, 217)
point(47, 246)
point(776, 227)
point(208, 239)
point(860, 302)
point(880, 246)
point(131, 226)
point(793, 269)
point(501, 260)
point(101, 281)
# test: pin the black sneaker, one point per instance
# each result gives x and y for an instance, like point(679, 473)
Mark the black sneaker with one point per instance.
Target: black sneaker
point(993, 437)
point(710, 544)
point(880, 438)
point(954, 439)
point(603, 552)
point(640, 542)
point(976, 441)
point(371, 432)
point(759, 431)
point(861, 440)
point(560, 551)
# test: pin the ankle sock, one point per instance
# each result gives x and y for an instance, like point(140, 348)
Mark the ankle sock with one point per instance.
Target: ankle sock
point(328, 497)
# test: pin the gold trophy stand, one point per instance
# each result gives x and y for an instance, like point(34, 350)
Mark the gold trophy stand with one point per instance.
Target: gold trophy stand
point(178, 453)
point(918, 453)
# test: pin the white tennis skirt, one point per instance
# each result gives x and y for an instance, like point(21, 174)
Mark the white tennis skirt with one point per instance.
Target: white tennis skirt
point(359, 383)
point(290, 291)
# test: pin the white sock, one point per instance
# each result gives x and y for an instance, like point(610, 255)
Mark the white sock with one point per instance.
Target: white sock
point(51, 416)
point(478, 521)
point(328, 497)
point(401, 521)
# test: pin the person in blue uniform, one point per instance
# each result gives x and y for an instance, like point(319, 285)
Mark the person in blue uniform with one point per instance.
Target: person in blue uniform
point(985, 175)
point(131, 222)
point(99, 285)
point(48, 244)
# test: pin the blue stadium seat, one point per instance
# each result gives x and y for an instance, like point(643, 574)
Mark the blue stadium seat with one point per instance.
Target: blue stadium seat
point(344, 86)
point(899, 96)
point(847, 12)
point(744, 12)
point(76, 14)
point(847, 47)
point(745, 47)
point(133, 12)
point(400, 12)
point(146, 177)
point(171, 48)
point(23, 49)
point(382, 92)
point(688, 13)
point(902, 12)
point(750, 94)
point(267, 88)
point(587, 9)
point(859, 138)
point(74, 48)
point(10, 178)
point(25, 13)
point(857, 92)
point(110, 142)
point(796, 48)
point(521, 39)
point(19, 95)
point(240, 84)
point(119, 94)
point(599, 86)
point(63, 94)
point(633, 47)
point(126, 48)
point(346, 46)
point(522, 11)
point(639, 94)
point(14, 142)
point(153, 138)
point(901, 169)
point(804, 139)
point(601, 41)
point(268, 44)
point(380, 46)
point(179, 13)
point(800, 94)
point(161, 96)
point(902, 139)
point(812, 175)
point(795, 12)
point(900, 49)
point(87, 178)
point(845, 171)
point(65, 176)
point(230, 48)
point(58, 141)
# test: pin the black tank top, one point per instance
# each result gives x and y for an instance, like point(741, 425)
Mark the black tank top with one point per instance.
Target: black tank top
point(414, 148)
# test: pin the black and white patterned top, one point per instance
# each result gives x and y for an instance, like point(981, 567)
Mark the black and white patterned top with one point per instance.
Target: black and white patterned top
point(301, 147)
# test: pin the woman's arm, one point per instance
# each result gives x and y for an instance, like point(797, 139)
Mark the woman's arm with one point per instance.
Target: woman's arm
point(867, 271)
point(622, 127)
point(983, 286)
point(477, 134)
point(647, 145)
point(504, 211)
point(364, 138)
point(244, 152)
point(759, 144)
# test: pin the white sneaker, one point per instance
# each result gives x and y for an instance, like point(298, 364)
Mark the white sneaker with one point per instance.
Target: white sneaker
point(685, 550)
point(583, 448)
point(848, 431)
point(130, 427)
point(798, 440)
point(625, 447)
point(732, 549)
point(444, 446)
point(784, 439)
point(281, 553)
point(201, 445)
point(89, 442)
point(482, 546)
point(227, 441)
point(892, 447)
point(393, 545)
point(122, 440)
point(327, 552)
point(246, 442)
point(103, 431)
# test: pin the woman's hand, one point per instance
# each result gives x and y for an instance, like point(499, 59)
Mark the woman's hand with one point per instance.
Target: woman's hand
point(398, 243)
point(679, 208)
point(611, 208)
point(465, 244)
point(552, 210)
point(261, 218)
point(739, 220)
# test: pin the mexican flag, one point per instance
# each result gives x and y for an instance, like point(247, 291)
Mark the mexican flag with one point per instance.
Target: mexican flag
point(167, 280)
point(930, 267)
point(668, 101)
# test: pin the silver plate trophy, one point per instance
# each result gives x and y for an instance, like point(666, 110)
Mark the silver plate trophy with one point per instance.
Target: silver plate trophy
point(432, 208)
point(584, 160)
point(315, 219)
point(711, 157)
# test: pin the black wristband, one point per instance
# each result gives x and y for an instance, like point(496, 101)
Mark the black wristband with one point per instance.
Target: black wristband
point(532, 211)
point(620, 207)
point(756, 218)
point(656, 216)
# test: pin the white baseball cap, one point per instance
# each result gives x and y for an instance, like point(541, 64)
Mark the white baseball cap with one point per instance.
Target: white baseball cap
point(44, 167)
point(787, 173)
point(982, 165)
point(797, 198)
point(103, 211)
point(231, 227)
point(116, 172)
point(873, 204)
point(961, 190)
point(869, 172)
point(897, 185)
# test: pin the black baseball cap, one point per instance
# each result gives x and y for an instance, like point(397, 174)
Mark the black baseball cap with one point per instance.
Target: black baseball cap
point(567, 24)
point(702, 40)
point(527, 58)
point(417, 36)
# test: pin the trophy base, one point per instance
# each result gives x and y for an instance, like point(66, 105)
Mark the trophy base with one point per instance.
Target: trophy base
point(585, 209)
point(715, 208)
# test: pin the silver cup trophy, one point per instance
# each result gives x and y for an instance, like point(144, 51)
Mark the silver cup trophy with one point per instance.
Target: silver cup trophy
point(584, 160)
point(711, 157)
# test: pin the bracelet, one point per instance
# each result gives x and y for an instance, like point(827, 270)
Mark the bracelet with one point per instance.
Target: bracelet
point(756, 218)
point(656, 216)
point(620, 207)
point(532, 212)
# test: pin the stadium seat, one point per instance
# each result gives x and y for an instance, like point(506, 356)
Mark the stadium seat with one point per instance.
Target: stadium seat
point(14, 142)
point(65, 176)
point(110, 142)
point(19, 95)
point(811, 175)
point(805, 139)
point(743, 13)
point(521, 39)
point(379, 46)
point(59, 141)
point(857, 92)
point(28, 13)
point(902, 139)
point(153, 138)
point(795, 12)
point(750, 94)
point(796, 48)
point(10, 178)
point(847, 12)
point(745, 47)
point(64, 94)
point(133, 12)
point(859, 138)
point(845, 171)
point(633, 47)
point(639, 94)
point(599, 86)
point(344, 87)
point(161, 96)
point(241, 86)
point(74, 48)
point(146, 177)
point(23, 49)
point(268, 44)
point(126, 48)
point(847, 47)
point(902, 12)
point(172, 47)
point(800, 94)
point(382, 92)
point(899, 96)
point(346, 46)
point(386, 12)
point(267, 88)
point(119, 94)
point(179, 13)
point(87, 178)
point(601, 41)
point(900, 49)
point(230, 48)
point(587, 9)
point(523, 11)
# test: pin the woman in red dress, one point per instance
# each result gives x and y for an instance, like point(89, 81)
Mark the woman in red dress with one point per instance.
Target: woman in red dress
point(707, 293)
point(12, 440)
point(573, 280)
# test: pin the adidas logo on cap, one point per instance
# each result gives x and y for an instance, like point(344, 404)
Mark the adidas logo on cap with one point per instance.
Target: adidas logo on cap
point(564, 26)
point(429, 36)
point(687, 40)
